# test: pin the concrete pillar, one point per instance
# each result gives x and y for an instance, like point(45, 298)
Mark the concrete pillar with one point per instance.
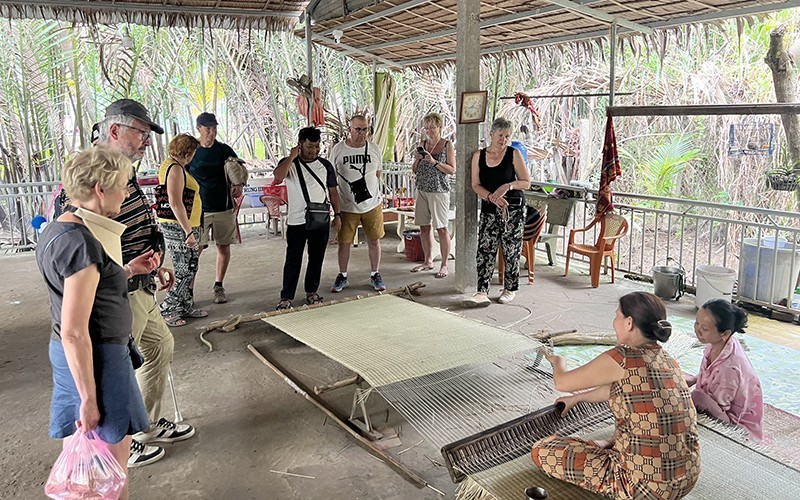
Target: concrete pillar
point(468, 78)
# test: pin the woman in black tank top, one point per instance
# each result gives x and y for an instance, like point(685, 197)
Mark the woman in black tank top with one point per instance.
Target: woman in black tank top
point(499, 175)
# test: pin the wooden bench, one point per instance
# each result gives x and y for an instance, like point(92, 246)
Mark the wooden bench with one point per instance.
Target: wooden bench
point(559, 214)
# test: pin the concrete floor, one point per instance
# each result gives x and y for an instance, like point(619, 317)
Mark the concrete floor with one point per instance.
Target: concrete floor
point(248, 420)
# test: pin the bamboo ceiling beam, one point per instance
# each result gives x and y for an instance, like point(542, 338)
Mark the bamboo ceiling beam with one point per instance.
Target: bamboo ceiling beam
point(375, 16)
point(706, 110)
point(494, 21)
point(348, 49)
point(671, 23)
point(601, 15)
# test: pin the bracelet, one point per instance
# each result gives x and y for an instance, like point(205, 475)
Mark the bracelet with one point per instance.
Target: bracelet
point(128, 270)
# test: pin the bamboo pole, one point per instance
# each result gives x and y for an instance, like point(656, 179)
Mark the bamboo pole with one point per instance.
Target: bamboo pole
point(301, 389)
point(231, 323)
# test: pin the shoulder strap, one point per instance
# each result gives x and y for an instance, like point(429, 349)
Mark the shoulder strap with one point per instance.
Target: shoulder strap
point(166, 174)
point(297, 162)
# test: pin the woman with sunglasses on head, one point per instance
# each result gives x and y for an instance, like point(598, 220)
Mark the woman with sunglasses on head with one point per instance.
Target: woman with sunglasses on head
point(499, 176)
point(727, 387)
point(655, 452)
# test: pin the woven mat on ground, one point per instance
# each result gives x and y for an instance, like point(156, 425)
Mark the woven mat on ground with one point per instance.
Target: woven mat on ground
point(729, 470)
point(387, 339)
point(781, 435)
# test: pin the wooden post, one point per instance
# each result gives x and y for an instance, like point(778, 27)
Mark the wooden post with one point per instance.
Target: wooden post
point(612, 64)
point(309, 65)
point(468, 78)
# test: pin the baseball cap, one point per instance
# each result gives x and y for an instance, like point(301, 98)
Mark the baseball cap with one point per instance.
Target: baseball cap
point(135, 109)
point(206, 120)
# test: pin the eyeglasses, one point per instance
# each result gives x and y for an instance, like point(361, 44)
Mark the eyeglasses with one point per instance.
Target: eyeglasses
point(360, 129)
point(144, 134)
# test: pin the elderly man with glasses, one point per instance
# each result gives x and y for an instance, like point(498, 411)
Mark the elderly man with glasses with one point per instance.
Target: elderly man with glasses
point(127, 128)
point(358, 163)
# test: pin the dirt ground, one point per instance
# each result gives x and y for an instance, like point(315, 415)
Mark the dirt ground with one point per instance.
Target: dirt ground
point(250, 422)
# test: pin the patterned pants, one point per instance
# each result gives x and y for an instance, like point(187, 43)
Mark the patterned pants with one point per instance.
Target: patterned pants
point(601, 470)
point(493, 230)
point(179, 299)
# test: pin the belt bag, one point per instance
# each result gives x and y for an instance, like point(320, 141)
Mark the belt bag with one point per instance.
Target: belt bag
point(360, 191)
point(318, 216)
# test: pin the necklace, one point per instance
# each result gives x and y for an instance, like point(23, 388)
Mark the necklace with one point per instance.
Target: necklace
point(496, 153)
point(435, 145)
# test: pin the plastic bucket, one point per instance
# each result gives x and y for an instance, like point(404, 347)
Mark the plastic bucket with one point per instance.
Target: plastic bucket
point(713, 282)
point(668, 282)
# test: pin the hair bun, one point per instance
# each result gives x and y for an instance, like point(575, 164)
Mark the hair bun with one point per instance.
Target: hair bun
point(663, 330)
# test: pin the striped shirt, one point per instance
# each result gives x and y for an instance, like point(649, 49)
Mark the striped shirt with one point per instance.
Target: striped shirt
point(137, 215)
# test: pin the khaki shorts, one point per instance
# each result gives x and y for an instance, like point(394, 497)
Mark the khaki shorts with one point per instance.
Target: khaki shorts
point(223, 228)
point(372, 222)
point(432, 209)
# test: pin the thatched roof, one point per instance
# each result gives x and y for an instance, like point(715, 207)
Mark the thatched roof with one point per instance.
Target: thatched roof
point(419, 33)
point(245, 14)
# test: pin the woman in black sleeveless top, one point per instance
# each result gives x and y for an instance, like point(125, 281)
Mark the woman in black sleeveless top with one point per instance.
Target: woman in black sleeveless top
point(499, 175)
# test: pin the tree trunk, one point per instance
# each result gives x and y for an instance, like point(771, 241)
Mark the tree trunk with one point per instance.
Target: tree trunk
point(782, 64)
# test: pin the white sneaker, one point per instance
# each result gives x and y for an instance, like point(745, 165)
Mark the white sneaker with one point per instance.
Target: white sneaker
point(479, 299)
point(142, 454)
point(507, 296)
point(165, 432)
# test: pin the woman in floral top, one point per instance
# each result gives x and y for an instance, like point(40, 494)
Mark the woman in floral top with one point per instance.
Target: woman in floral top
point(434, 163)
point(654, 453)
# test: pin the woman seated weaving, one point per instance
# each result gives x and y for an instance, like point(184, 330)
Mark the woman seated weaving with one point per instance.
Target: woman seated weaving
point(727, 387)
point(654, 452)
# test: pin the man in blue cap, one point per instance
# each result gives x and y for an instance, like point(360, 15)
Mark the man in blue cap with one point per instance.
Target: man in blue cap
point(218, 196)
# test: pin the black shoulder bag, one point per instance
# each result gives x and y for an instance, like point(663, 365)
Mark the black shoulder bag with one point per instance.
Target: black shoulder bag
point(318, 215)
point(359, 186)
point(163, 210)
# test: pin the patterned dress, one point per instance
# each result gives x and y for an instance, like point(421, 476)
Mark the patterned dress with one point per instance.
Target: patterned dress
point(656, 453)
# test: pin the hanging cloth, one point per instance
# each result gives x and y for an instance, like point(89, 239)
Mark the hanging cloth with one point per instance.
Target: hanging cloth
point(318, 111)
point(610, 170)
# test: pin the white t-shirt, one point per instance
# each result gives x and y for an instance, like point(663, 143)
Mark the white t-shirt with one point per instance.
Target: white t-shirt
point(296, 215)
point(351, 165)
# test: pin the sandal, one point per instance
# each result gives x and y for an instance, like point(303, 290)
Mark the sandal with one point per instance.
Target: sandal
point(443, 273)
point(283, 305)
point(313, 298)
point(174, 321)
point(420, 268)
point(195, 313)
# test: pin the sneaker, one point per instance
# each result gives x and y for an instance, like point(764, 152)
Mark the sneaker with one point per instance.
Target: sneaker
point(166, 432)
point(340, 284)
point(142, 454)
point(377, 282)
point(507, 296)
point(220, 297)
point(479, 299)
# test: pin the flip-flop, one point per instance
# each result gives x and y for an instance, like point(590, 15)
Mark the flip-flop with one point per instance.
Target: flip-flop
point(420, 268)
point(443, 273)
point(174, 321)
point(195, 313)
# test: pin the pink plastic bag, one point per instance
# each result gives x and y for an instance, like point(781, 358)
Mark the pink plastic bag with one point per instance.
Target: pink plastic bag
point(85, 469)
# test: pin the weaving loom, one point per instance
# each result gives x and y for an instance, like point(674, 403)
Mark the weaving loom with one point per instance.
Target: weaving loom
point(478, 393)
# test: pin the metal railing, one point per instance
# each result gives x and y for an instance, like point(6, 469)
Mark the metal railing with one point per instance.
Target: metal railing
point(761, 245)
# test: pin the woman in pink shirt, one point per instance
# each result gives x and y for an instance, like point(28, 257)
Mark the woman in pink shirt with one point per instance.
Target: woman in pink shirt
point(727, 387)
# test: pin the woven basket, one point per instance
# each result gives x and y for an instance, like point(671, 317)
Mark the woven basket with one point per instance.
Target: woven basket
point(782, 182)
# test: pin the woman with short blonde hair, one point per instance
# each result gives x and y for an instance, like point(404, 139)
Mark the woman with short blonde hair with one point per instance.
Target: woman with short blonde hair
point(80, 256)
point(434, 164)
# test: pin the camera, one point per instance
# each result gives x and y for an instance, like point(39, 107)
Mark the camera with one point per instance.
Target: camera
point(421, 150)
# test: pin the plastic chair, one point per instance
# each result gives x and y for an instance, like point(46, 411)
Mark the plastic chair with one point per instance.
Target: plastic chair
point(612, 228)
point(275, 200)
point(529, 238)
